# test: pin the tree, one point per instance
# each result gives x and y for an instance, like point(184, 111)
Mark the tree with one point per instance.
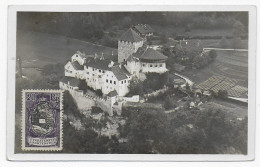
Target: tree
point(223, 43)
point(135, 87)
point(212, 55)
point(188, 88)
point(83, 86)
point(238, 29)
point(222, 94)
point(144, 130)
point(169, 103)
point(164, 39)
point(199, 62)
point(155, 81)
point(96, 110)
point(237, 43)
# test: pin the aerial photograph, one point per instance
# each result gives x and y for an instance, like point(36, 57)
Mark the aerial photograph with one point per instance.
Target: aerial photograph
point(134, 82)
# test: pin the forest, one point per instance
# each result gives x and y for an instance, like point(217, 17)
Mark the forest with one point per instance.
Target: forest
point(103, 26)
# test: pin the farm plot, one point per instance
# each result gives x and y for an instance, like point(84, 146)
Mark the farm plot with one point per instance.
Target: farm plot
point(224, 85)
point(209, 83)
point(229, 64)
point(237, 91)
point(217, 83)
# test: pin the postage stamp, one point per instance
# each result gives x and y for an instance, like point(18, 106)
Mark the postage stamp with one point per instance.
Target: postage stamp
point(42, 120)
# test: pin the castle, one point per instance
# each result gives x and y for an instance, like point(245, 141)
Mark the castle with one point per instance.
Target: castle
point(113, 77)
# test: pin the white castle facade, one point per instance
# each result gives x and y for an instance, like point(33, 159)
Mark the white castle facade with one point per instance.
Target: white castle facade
point(113, 77)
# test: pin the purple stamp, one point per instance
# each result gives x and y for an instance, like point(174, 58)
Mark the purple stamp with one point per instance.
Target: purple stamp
point(42, 120)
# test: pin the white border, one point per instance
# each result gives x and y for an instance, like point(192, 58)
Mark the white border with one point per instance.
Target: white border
point(23, 121)
point(128, 157)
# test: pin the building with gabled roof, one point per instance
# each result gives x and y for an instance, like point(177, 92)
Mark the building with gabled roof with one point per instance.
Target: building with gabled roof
point(74, 69)
point(110, 73)
point(137, 57)
point(143, 30)
point(130, 36)
point(70, 83)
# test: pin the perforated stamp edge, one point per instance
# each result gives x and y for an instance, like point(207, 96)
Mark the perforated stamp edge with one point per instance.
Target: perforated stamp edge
point(23, 121)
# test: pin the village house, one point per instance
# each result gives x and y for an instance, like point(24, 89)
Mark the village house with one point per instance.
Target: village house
point(111, 77)
point(143, 30)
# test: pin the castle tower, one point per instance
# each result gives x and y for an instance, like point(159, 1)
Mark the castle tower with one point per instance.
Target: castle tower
point(128, 44)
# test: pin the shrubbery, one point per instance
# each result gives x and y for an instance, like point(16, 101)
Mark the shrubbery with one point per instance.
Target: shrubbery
point(185, 132)
point(153, 81)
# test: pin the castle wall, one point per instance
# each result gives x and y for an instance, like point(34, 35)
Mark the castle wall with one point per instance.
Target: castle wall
point(85, 101)
point(153, 67)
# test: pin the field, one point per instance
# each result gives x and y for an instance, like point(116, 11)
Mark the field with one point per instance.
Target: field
point(233, 110)
point(39, 49)
point(230, 64)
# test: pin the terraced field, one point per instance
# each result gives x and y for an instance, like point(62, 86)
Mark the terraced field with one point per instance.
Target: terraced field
point(230, 64)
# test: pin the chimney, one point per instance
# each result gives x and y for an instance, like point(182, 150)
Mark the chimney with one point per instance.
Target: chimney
point(111, 64)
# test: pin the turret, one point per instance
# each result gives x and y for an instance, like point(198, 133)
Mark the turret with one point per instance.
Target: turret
point(128, 44)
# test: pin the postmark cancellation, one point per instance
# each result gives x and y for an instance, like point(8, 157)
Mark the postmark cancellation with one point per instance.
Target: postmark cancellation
point(42, 120)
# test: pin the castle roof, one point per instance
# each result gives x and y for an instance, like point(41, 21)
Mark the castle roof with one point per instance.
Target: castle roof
point(149, 54)
point(97, 63)
point(120, 72)
point(130, 58)
point(143, 28)
point(82, 55)
point(77, 66)
point(112, 93)
point(131, 36)
point(70, 81)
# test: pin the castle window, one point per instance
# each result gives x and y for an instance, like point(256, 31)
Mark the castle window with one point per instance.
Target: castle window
point(93, 75)
point(122, 82)
point(125, 81)
point(99, 70)
point(107, 80)
point(93, 69)
point(110, 81)
point(114, 82)
point(151, 65)
point(124, 59)
point(160, 65)
point(87, 72)
point(103, 71)
point(156, 65)
point(143, 65)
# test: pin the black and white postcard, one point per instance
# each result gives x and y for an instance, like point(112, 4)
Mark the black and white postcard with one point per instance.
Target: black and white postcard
point(131, 83)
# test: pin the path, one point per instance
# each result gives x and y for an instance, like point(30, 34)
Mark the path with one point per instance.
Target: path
point(187, 80)
point(240, 50)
